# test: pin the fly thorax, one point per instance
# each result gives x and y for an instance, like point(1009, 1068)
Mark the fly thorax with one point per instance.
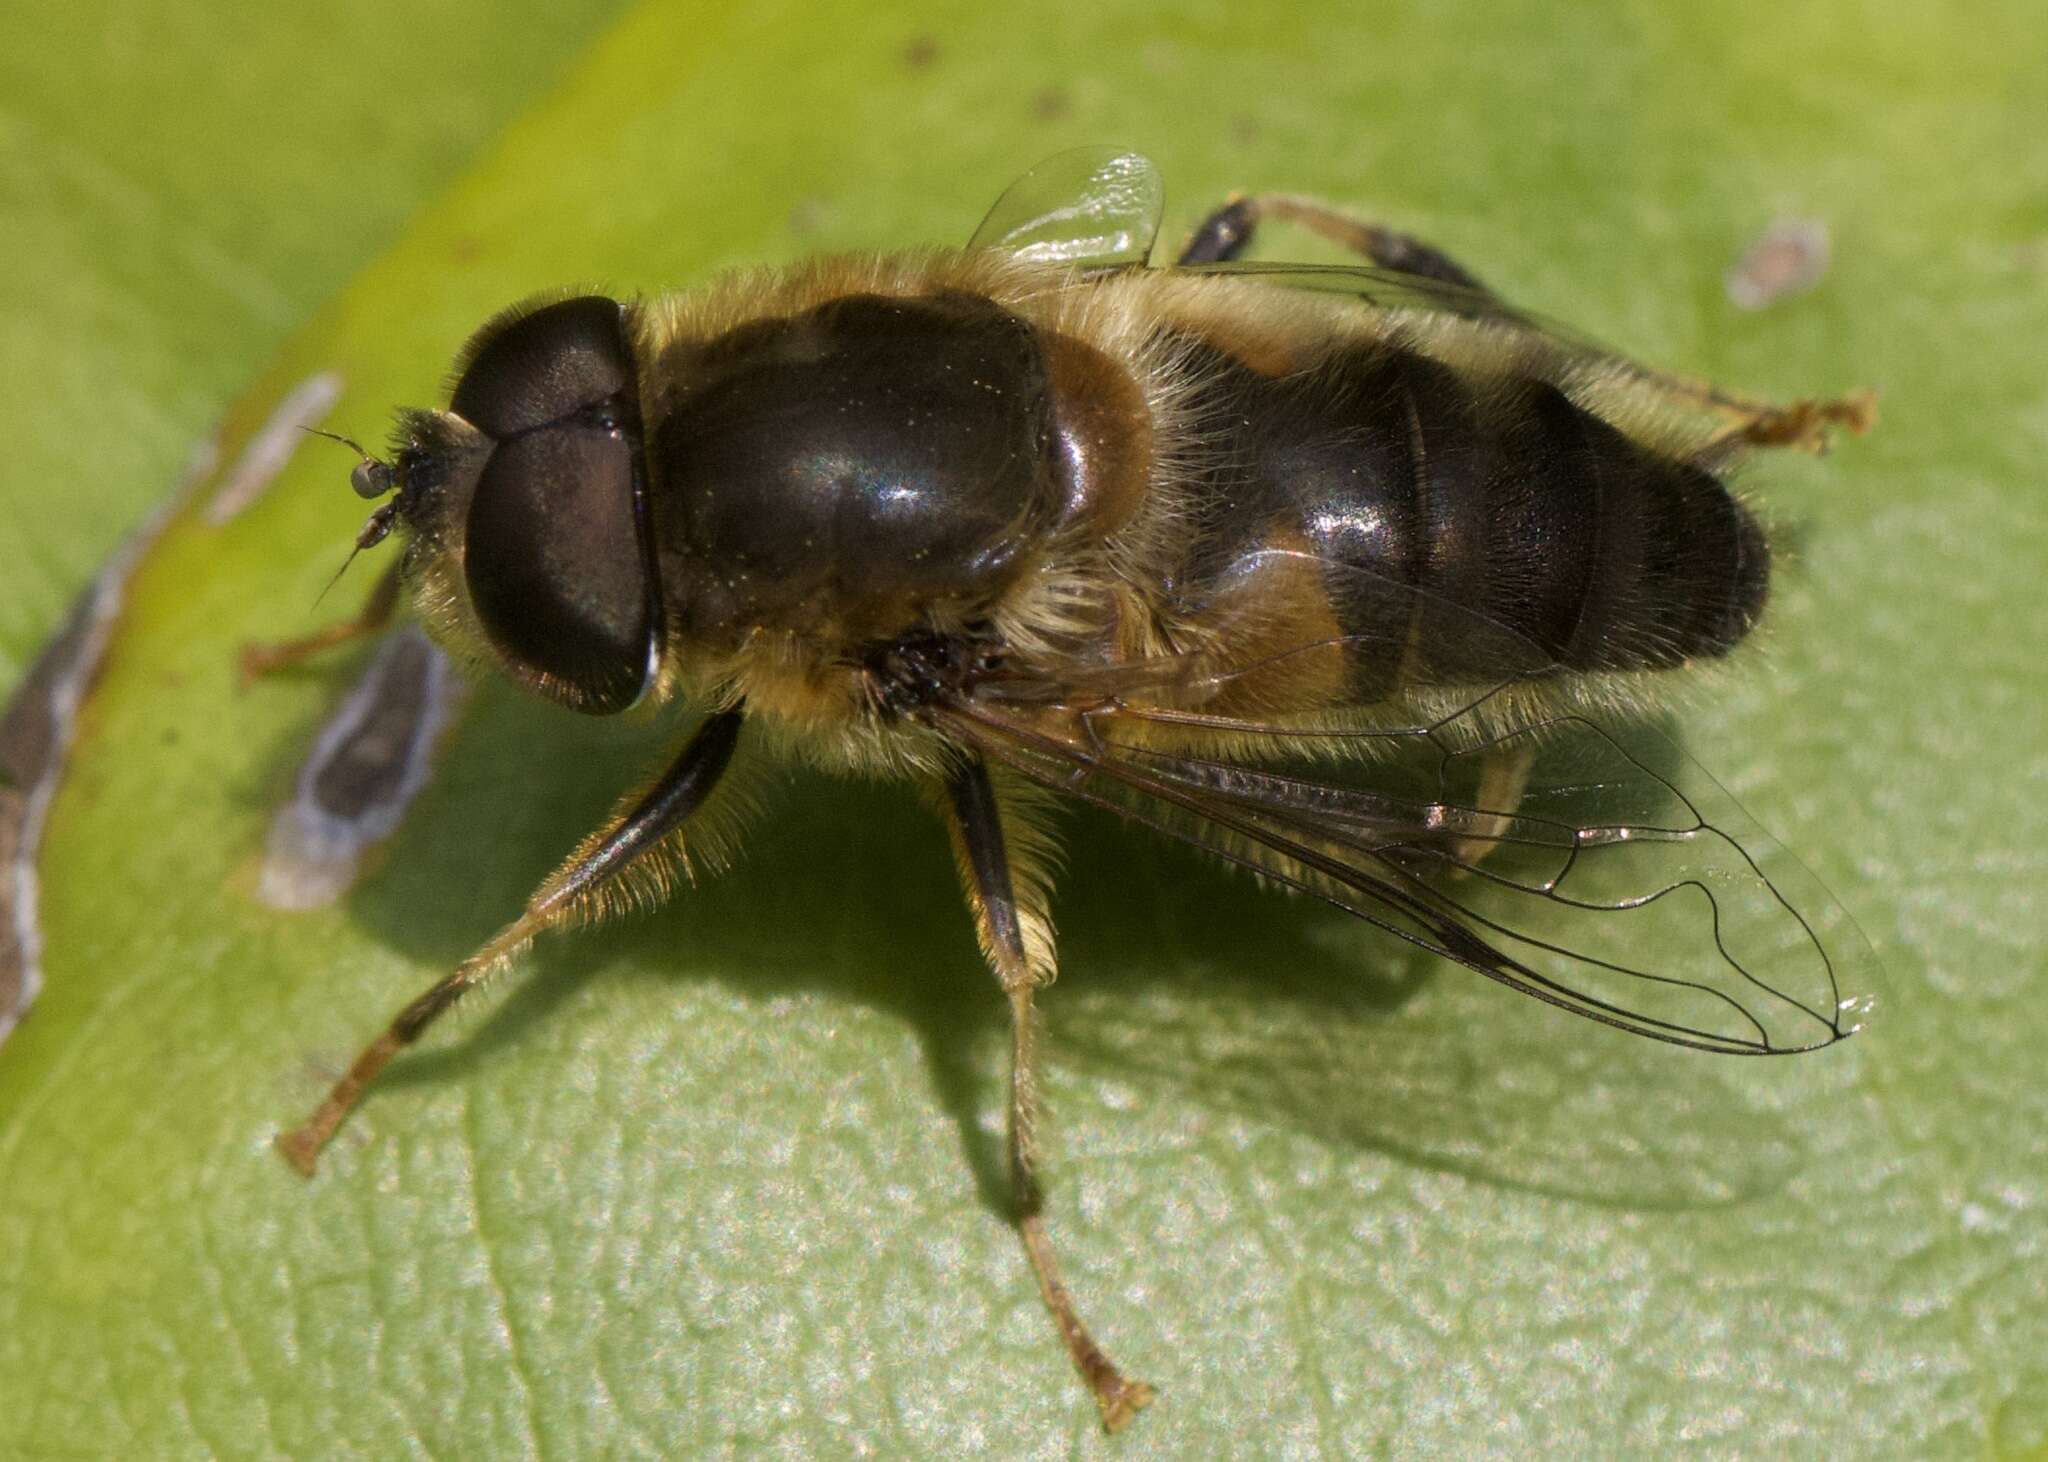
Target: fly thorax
point(856, 470)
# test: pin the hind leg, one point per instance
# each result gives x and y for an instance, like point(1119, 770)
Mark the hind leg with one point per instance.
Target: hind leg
point(1503, 779)
point(1750, 421)
point(1228, 232)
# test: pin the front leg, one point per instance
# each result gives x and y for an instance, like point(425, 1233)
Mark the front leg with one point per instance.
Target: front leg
point(267, 657)
point(1018, 944)
point(575, 887)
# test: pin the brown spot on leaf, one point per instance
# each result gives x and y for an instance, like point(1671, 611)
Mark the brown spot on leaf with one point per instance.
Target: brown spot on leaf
point(1790, 258)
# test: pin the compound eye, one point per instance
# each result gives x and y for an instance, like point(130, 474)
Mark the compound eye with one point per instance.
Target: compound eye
point(552, 546)
point(553, 562)
point(526, 370)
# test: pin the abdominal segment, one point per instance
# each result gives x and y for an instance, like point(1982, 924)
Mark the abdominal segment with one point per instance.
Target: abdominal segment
point(1462, 527)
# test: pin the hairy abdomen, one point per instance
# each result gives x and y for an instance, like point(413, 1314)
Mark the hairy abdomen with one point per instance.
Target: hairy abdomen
point(1463, 526)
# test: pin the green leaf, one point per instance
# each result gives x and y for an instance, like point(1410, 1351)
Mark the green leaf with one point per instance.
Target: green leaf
point(725, 1178)
point(181, 186)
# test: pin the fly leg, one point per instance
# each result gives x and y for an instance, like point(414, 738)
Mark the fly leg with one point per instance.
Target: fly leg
point(265, 657)
point(1227, 233)
point(1503, 778)
point(1753, 423)
point(1750, 421)
point(658, 811)
point(1018, 947)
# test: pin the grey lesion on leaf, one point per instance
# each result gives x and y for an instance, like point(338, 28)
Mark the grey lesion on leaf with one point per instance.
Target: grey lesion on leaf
point(36, 730)
point(270, 449)
point(370, 758)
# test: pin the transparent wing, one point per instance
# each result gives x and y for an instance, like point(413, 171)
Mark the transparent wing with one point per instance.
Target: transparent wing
point(1395, 292)
point(1622, 884)
point(1391, 289)
point(1093, 207)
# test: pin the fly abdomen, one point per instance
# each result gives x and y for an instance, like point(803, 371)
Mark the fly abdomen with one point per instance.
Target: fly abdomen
point(1604, 554)
point(1466, 526)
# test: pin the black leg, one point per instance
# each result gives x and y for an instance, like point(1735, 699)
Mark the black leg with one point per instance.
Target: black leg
point(1228, 232)
point(658, 812)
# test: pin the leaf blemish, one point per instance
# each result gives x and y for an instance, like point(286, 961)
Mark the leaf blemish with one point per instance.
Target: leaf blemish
point(371, 758)
point(36, 731)
point(1790, 258)
point(271, 448)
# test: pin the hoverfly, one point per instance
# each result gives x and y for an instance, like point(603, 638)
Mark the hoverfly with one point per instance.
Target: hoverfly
point(1353, 576)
